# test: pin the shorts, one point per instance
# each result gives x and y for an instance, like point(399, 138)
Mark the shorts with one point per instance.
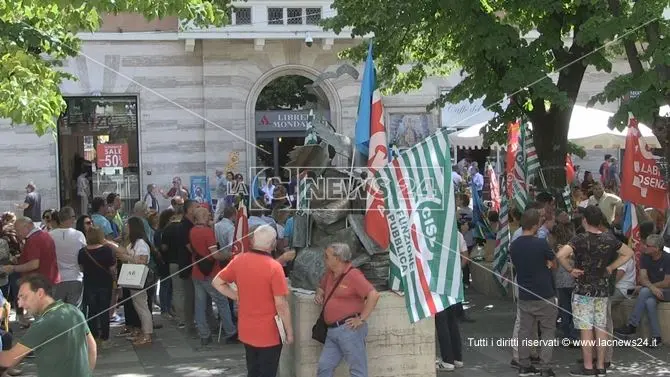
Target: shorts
point(589, 312)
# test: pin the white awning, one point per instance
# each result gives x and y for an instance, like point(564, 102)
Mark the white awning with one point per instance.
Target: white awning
point(588, 129)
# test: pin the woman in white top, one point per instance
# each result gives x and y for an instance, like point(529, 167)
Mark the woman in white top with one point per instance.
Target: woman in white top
point(139, 252)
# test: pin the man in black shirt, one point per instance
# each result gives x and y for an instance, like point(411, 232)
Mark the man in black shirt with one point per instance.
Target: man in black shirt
point(532, 258)
point(183, 294)
point(655, 281)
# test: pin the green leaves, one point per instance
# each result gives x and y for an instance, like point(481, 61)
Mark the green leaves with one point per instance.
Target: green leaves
point(535, 51)
point(36, 36)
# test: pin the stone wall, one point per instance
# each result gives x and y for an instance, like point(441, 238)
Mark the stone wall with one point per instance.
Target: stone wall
point(196, 106)
point(395, 347)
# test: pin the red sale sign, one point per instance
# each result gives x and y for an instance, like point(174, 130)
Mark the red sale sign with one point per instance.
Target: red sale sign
point(112, 155)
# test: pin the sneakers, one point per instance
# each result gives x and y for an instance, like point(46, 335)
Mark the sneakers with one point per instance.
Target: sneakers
point(514, 364)
point(580, 371)
point(626, 330)
point(595, 362)
point(601, 372)
point(458, 364)
point(528, 371)
point(547, 373)
point(205, 341)
point(655, 342)
point(441, 365)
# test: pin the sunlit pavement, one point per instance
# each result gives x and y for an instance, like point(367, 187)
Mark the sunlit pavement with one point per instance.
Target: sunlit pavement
point(174, 353)
point(494, 318)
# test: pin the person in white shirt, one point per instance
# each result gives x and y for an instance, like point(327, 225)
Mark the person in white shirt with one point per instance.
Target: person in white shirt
point(139, 252)
point(83, 192)
point(69, 242)
point(455, 177)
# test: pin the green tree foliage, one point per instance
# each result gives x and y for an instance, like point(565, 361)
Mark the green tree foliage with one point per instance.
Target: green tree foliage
point(286, 93)
point(647, 86)
point(36, 36)
point(534, 51)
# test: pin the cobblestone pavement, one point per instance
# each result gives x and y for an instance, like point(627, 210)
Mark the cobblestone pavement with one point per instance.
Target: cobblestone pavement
point(174, 353)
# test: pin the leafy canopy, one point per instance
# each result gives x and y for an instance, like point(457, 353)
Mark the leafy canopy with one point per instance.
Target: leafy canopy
point(535, 51)
point(36, 36)
point(286, 93)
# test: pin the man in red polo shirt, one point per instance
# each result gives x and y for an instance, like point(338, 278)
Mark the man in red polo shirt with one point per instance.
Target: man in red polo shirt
point(261, 292)
point(38, 254)
point(206, 258)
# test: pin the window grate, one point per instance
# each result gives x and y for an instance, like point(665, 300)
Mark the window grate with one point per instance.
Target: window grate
point(242, 16)
point(313, 16)
point(275, 16)
point(294, 16)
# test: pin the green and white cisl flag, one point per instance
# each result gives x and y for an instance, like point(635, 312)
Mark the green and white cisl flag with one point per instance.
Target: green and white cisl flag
point(421, 210)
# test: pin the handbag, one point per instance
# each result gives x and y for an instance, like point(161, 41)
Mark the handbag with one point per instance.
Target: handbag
point(135, 275)
point(320, 329)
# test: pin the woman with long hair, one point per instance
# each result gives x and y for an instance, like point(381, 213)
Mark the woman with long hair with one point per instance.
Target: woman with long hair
point(84, 223)
point(98, 263)
point(139, 252)
point(49, 220)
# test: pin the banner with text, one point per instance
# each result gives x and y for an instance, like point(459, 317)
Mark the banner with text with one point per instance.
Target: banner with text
point(642, 182)
point(112, 155)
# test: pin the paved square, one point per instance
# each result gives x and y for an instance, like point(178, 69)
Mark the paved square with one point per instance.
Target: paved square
point(174, 353)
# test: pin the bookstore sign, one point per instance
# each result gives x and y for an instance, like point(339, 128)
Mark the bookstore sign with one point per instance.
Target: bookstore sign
point(282, 120)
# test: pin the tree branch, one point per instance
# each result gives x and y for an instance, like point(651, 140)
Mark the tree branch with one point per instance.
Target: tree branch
point(629, 45)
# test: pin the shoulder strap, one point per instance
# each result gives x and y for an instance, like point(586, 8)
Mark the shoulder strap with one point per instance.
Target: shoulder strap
point(335, 287)
point(95, 261)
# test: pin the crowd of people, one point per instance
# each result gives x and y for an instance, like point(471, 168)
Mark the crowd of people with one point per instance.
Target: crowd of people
point(573, 268)
point(69, 262)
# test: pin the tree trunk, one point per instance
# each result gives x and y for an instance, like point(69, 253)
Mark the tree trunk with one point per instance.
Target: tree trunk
point(661, 129)
point(550, 134)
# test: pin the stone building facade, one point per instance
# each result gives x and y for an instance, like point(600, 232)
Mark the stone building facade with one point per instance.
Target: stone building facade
point(196, 93)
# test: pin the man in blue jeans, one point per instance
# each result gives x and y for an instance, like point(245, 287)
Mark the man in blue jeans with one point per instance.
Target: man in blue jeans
point(348, 299)
point(655, 282)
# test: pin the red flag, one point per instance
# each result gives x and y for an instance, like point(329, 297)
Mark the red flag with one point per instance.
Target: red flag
point(513, 133)
point(494, 188)
point(240, 238)
point(569, 169)
point(642, 182)
point(376, 225)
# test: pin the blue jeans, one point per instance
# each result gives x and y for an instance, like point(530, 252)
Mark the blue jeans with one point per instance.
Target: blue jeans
point(343, 342)
point(204, 288)
point(565, 313)
point(165, 295)
point(647, 302)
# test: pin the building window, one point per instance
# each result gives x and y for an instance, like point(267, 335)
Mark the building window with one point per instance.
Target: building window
point(275, 16)
point(242, 16)
point(313, 16)
point(294, 16)
point(98, 137)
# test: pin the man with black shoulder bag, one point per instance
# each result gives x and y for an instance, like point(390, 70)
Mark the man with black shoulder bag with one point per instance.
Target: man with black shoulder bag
point(206, 259)
point(348, 299)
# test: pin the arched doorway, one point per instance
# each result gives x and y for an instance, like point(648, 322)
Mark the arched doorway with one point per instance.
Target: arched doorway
point(281, 116)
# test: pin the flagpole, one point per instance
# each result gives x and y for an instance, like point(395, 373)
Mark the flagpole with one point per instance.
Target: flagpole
point(351, 178)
